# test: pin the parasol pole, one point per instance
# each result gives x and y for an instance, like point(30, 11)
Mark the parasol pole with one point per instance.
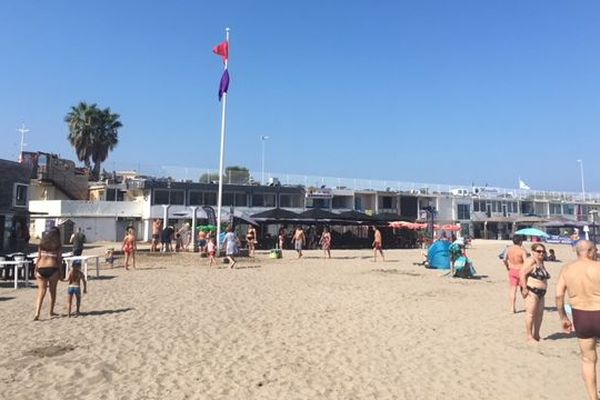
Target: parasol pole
point(222, 155)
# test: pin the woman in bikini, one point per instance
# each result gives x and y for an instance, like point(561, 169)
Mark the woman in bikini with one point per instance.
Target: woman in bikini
point(326, 242)
point(534, 283)
point(47, 269)
point(251, 239)
point(129, 247)
point(513, 260)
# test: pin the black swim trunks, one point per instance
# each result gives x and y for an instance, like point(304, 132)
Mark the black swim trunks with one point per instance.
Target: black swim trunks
point(587, 324)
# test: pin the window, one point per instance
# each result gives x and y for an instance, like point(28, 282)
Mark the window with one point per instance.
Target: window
point(555, 209)
point(227, 199)
point(289, 200)
point(241, 200)
point(318, 203)
point(269, 200)
point(386, 202)
point(196, 198)
point(263, 200)
point(210, 198)
point(177, 197)
point(464, 211)
point(526, 208)
point(161, 197)
point(257, 200)
point(20, 195)
point(340, 202)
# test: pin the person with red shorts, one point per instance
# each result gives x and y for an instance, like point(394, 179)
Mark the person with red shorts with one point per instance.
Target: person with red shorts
point(514, 259)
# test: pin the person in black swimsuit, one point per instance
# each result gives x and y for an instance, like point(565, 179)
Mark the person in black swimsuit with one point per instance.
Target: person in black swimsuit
point(533, 281)
point(47, 269)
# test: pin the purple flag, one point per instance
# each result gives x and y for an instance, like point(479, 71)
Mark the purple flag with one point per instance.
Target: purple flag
point(224, 85)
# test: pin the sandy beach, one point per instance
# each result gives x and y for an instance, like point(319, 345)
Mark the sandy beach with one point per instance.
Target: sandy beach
point(310, 328)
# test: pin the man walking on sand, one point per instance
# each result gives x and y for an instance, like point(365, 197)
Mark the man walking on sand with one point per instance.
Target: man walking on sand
point(377, 245)
point(581, 280)
point(299, 239)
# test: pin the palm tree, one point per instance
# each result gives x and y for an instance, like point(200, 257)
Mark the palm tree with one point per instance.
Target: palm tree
point(93, 133)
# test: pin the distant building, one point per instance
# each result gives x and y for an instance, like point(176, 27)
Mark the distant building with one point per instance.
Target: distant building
point(14, 204)
point(104, 209)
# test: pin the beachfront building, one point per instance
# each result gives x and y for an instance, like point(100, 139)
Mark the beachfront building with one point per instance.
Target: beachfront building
point(62, 195)
point(14, 203)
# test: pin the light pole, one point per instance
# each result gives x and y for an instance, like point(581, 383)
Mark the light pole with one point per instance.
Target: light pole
point(263, 139)
point(22, 130)
point(582, 181)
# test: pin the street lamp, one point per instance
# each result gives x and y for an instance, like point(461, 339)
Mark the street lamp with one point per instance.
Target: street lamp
point(263, 139)
point(582, 181)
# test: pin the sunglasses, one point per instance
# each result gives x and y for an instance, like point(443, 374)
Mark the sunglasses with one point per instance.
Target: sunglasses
point(540, 251)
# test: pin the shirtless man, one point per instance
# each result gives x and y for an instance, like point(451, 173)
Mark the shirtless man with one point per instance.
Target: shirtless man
point(299, 239)
point(513, 260)
point(156, 232)
point(377, 245)
point(581, 280)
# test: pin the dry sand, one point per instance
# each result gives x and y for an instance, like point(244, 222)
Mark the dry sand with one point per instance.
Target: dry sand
point(345, 328)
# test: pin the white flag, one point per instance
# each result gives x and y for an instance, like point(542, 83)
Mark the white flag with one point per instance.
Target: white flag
point(523, 185)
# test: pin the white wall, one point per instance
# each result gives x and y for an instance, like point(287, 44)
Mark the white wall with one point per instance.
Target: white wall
point(73, 208)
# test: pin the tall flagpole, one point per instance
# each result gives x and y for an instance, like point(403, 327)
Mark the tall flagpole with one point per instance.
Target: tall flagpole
point(222, 156)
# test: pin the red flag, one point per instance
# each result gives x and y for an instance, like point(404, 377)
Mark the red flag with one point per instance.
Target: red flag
point(222, 50)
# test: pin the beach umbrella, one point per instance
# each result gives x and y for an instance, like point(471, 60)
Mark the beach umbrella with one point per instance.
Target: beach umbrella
point(531, 232)
point(207, 228)
point(401, 224)
point(451, 228)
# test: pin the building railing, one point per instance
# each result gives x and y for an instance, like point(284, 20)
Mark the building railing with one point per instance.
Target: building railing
point(207, 175)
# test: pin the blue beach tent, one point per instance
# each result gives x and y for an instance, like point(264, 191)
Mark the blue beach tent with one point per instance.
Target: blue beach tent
point(439, 255)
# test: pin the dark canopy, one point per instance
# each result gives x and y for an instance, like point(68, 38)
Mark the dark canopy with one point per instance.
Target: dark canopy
point(387, 217)
point(276, 214)
point(319, 215)
point(355, 217)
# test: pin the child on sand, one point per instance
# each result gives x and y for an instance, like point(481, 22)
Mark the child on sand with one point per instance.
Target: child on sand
point(74, 279)
point(129, 247)
point(212, 251)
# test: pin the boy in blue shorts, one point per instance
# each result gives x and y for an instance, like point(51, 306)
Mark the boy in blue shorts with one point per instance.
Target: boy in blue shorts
point(75, 278)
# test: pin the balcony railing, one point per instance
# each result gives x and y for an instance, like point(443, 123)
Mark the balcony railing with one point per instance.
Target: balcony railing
point(207, 175)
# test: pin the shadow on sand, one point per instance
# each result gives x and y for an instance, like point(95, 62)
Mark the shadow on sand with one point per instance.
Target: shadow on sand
point(247, 267)
point(560, 335)
point(6, 298)
point(102, 277)
point(105, 312)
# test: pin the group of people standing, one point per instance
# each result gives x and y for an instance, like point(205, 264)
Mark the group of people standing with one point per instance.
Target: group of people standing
point(163, 237)
point(580, 280)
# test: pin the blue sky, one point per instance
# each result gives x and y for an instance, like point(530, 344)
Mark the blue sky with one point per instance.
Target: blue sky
point(431, 91)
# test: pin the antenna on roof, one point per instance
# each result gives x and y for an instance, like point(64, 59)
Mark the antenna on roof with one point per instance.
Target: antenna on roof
point(22, 130)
